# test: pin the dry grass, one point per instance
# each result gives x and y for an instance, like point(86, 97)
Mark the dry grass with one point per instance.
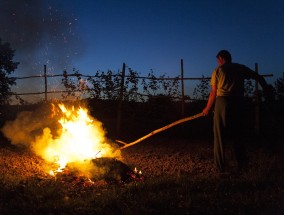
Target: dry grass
point(179, 179)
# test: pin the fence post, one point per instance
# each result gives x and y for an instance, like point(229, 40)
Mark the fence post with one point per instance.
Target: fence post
point(182, 89)
point(119, 110)
point(45, 84)
point(257, 108)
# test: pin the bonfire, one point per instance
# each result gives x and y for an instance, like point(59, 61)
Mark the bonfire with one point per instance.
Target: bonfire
point(77, 145)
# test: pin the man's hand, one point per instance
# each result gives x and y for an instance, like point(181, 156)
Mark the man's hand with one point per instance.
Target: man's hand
point(205, 111)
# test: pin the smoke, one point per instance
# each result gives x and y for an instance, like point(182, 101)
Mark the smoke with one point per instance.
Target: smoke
point(28, 126)
point(42, 34)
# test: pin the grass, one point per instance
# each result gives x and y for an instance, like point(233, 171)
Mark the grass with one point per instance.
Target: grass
point(247, 194)
point(260, 190)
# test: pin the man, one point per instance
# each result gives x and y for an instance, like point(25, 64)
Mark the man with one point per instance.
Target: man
point(227, 93)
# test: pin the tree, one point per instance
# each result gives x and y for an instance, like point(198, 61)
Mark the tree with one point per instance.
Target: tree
point(248, 88)
point(131, 86)
point(7, 66)
point(73, 87)
point(202, 89)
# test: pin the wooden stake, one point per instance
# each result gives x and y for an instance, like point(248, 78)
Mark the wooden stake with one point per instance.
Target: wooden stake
point(119, 109)
point(159, 130)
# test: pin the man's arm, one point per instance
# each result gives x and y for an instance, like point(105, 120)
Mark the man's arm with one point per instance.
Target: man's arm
point(211, 100)
point(254, 75)
point(268, 90)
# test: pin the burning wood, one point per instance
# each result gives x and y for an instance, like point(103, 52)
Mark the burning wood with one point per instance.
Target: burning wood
point(109, 170)
point(159, 130)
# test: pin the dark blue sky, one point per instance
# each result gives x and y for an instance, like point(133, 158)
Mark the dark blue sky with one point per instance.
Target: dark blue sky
point(93, 35)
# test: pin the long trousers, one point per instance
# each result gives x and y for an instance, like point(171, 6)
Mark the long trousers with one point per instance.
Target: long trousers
point(228, 125)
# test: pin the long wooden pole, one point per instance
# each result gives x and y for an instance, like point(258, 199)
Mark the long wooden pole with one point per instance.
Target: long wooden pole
point(159, 130)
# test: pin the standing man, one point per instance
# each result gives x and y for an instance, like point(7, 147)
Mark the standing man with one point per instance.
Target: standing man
point(227, 92)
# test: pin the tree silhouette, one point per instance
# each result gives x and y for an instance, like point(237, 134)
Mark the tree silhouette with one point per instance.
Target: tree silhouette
point(7, 66)
point(248, 88)
point(201, 91)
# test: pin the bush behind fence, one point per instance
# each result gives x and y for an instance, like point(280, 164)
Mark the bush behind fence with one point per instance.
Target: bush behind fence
point(121, 86)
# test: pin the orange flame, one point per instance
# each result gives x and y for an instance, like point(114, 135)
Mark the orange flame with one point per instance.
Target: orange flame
point(80, 138)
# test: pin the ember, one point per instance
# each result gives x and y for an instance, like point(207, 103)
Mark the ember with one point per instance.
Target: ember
point(109, 170)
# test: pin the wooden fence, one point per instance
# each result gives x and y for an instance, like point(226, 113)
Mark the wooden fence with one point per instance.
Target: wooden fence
point(121, 92)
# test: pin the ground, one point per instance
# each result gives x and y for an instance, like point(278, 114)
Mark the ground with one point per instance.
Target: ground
point(157, 158)
point(153, 158)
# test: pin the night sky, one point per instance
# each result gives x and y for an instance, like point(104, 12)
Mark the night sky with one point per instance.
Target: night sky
point(94, 35)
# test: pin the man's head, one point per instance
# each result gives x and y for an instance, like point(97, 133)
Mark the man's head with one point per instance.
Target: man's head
point(224, 56)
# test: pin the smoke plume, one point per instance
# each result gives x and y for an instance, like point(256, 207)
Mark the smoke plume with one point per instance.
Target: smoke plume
point(28, 125)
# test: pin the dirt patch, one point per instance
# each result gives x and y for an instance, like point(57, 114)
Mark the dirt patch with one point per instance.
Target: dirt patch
point(18, 165)
point(171, 157)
